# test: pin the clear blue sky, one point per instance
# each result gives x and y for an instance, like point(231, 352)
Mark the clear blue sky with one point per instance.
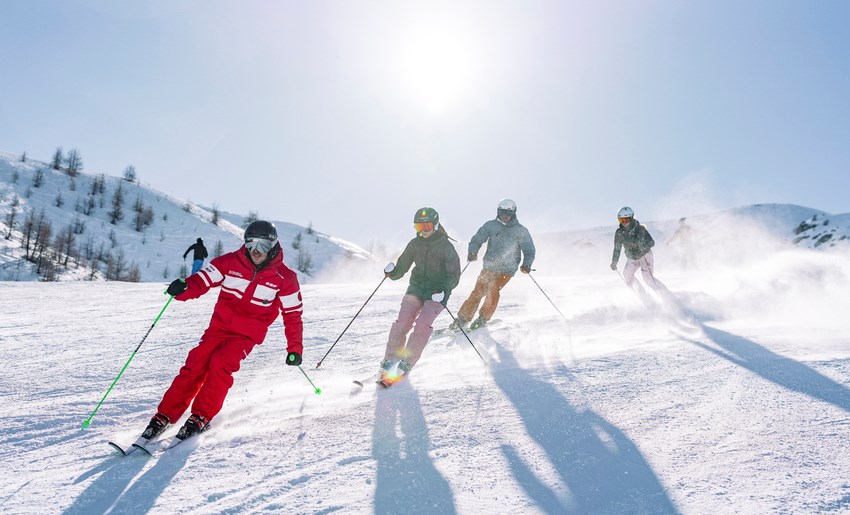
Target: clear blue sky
point(352, 114)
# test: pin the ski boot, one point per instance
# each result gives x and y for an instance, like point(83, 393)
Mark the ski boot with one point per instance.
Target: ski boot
point(478, 323)
point(156, 426)
point(458, 324)
point(194, 425)
point(404, 368)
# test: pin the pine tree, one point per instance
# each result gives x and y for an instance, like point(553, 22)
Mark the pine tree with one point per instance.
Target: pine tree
point(117, 212)
point(74, 162)
point(57, 160)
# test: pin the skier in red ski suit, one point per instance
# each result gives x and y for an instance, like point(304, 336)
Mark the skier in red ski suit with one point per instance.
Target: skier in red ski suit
point(256, 287)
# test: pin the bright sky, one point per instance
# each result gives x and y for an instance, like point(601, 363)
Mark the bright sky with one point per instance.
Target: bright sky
point(351, 115)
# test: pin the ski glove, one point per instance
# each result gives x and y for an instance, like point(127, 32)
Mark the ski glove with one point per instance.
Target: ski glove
point(473, 256)
point(613, 265)
point(438, 296)
point(293, 359)
point(525, 269)
point(176, 287)
point(389, 269)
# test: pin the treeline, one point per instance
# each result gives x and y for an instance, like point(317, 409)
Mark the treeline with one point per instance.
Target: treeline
point(53, 249)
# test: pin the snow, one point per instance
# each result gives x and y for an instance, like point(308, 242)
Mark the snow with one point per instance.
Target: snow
point(736, 402)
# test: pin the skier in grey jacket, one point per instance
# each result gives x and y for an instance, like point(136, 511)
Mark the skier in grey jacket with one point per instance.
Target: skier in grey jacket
point(508, 244)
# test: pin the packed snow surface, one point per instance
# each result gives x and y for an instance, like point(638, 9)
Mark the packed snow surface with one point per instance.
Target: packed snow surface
point(734, 400)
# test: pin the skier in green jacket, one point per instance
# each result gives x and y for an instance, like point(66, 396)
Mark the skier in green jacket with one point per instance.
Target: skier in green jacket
point(435, 275)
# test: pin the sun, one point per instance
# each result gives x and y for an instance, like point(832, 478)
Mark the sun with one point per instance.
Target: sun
point(437, 69)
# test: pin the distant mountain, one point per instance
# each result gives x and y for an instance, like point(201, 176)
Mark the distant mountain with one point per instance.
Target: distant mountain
point(823, 231)
point(54, 226)
point(723, 237)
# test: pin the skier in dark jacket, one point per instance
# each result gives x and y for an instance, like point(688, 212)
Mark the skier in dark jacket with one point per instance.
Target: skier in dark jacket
point(638, 243)
point(435, 275)
point(508, 244)
point(200, 254)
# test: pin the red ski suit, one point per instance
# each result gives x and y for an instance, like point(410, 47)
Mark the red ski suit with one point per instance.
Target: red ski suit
point(248, 303)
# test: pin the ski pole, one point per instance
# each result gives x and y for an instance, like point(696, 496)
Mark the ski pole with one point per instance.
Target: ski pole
point(87, 422)
point(547, 298)
point(389, 268)
point(464, 333)
point(317, 390)
point(567, 320)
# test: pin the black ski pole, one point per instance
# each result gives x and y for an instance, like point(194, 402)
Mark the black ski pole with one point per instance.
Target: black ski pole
point(567, 320)
point(87, 422)
point(389, 268)
point(547, 298)
point(438, 297)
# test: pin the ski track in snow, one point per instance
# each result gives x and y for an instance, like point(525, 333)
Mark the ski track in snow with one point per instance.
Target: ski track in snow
point(723, 406)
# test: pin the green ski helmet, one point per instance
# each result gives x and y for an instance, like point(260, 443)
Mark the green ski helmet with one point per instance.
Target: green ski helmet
point(426, 219)
point(426, 214)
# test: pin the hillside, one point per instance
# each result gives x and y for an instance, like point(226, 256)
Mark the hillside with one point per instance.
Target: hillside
point(74, 232)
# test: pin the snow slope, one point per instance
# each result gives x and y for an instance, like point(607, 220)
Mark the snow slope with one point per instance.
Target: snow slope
point(738, 401)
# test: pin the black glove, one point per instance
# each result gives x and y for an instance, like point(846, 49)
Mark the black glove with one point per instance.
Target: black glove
point(473, 256)
point(613, 265)
point(176, 287)
point(293, 359)
point(525, 269)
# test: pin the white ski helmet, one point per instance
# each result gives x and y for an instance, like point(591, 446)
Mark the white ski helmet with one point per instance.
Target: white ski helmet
point(626, 212)
point(507, 207)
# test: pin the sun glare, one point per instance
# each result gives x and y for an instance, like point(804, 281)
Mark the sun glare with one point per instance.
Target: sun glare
point(437, 70)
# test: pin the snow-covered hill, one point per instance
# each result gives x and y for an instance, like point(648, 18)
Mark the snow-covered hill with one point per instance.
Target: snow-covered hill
point(146, 243)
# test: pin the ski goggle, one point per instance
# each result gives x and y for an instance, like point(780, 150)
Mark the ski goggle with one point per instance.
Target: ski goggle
point(262, 245)
point(424, 226)
point(624, 219)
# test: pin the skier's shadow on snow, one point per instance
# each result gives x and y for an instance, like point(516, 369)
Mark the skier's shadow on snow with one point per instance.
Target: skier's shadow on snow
point(109, 489)
point(407, 481)
point(603, 470)
point(780, 370)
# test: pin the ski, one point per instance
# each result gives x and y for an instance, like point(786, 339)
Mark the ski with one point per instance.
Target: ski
point(148, 446)
point(126, 450)
point(387, 382)
point(455, 332)
point(159, 446)
point(371, 379)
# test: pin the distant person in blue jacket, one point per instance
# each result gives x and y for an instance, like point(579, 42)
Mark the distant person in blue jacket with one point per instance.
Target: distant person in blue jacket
point(200, 254)
point(508, 244)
